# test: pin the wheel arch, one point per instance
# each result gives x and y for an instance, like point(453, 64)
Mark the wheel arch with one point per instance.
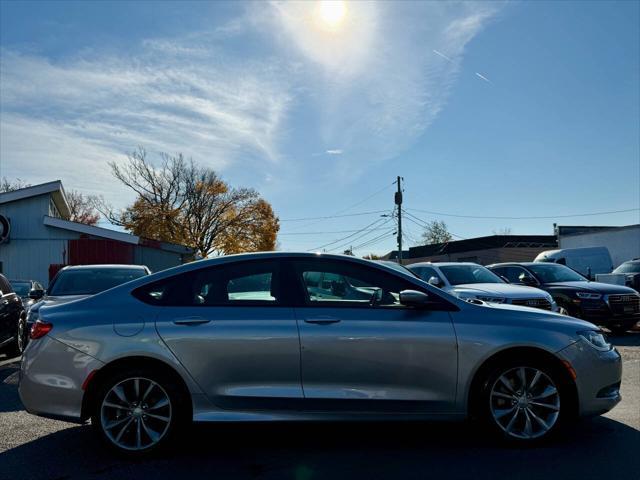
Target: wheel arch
point(519, 352)
point(140, 361)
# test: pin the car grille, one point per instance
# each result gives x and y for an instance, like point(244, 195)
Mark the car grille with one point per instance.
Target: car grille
point(624, 304)
point(533, 302)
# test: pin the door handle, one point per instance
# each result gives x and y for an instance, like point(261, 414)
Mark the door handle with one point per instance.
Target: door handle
point(325, 320)
point(191, 321)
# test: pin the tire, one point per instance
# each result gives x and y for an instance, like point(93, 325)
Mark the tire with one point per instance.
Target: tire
point(19, 343)
point(524, 413)
point(139, 411)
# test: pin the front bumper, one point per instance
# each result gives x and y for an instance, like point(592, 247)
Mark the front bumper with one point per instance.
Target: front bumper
point(51, 378)
point(601, 313)
point(598, 376)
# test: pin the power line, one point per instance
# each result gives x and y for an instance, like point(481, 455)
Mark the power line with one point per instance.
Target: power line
point(375, 240)
point(348, 236)
point(358, 237)
point(550, 217)
point(333, 216)
point(324, 233)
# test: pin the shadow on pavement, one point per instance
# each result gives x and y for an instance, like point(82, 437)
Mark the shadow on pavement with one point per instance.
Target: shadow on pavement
point(593, 448)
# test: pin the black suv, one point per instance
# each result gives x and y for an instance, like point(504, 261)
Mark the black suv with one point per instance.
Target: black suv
point(13, 332)
point(612, 306)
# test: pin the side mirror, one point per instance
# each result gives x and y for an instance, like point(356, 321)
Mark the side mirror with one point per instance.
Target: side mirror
point(414, 298)
point(36, 294)
point(528, 280)
point(435, 281)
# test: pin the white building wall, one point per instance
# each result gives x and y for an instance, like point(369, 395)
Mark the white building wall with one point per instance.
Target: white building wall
point(32, 246)
point(623, 243)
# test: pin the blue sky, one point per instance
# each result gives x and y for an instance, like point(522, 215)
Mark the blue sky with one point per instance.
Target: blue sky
point(506, 109)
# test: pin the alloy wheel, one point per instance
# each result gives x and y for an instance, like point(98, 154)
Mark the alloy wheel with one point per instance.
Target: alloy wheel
point(525, 402)
point(136, 413)
point(21, 336)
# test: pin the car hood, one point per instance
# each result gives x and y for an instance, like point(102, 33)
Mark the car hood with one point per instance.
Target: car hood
point(594, 287)
point(538, 315)
point(56, 300)
point(499, 289)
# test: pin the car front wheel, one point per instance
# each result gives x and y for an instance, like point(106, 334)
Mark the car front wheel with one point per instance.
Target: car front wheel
point(137, 412)
point(523, 401)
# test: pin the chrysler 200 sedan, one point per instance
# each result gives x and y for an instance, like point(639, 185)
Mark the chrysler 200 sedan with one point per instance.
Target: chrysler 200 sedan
point(287, 336)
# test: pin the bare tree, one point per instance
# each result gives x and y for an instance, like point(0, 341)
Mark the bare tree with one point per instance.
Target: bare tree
point(180, 202)
point(436, 232)
point(82, 207)
point(7, 185)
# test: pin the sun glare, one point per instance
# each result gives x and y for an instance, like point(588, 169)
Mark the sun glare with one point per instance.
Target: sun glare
point(331, 12)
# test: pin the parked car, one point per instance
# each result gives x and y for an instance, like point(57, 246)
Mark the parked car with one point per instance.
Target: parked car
point(81, 281)
point(13, 330)
point(612, 306)
point(631, 271)
point(250, 338)
point(470, 281)
point(29, 291)
point(588, 261)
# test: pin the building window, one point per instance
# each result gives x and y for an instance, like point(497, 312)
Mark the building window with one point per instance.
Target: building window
point(53, 210)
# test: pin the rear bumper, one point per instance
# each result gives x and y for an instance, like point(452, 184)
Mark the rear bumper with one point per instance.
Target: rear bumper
point(51, 378)
point(598, 376)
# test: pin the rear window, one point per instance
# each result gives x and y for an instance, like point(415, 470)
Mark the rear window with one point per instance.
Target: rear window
point(89, 281)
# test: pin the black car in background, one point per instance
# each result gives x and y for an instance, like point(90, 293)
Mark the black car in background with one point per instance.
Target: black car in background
point(631, 271)
point(29, 291)
point(612, 306)
point(13, 332)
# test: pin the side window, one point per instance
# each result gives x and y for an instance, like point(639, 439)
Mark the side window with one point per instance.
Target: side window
point(427, 272)
point(349, 285)
point(249, 283)
point(512, 273)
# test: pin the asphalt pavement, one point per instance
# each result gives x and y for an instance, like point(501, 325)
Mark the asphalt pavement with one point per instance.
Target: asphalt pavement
point(600, 447)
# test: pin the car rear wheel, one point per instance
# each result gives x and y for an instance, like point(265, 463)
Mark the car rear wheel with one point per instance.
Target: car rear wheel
point(137, 412)
point(523, 401)
point(20, 341)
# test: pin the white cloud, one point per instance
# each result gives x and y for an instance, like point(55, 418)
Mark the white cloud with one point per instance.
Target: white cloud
point(218, 112)
point(334, 151)
point(381, 78)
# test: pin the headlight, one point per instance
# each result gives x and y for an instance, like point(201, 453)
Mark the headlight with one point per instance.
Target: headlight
point(490, 299)
point(589, 295)
point(596, 340)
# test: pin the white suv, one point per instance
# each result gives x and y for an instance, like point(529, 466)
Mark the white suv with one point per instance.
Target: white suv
point(470, 281)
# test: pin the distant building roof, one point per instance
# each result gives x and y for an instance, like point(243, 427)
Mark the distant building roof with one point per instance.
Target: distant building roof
point(484, 243)
point(54, 188)
point(393, 255)
point(564, 230)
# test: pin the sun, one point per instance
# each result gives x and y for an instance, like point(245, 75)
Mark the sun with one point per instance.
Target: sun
point(331, 13)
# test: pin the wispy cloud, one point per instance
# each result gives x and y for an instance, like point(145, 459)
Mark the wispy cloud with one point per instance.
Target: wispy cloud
point(218, 112)
point(482, 77)
point(443, 56)
point(335, 151)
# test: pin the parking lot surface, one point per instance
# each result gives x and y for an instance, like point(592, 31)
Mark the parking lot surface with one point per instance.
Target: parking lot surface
point(607, 446)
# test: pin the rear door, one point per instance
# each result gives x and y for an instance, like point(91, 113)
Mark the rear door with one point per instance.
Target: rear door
point(232, 329)
point(363, 350)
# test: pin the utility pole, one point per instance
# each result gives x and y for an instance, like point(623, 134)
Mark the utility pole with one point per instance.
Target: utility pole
point(398, 201)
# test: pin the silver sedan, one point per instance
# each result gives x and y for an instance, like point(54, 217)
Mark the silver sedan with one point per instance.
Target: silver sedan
point(286, 336)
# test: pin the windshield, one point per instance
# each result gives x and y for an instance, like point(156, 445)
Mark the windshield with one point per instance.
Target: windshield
point(89, 281)
point(465, 274)
point(552, 272)
point(628, 267)
point(22, 289)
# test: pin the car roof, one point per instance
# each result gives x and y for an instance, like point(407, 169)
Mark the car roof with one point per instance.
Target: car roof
point(105, 267)
point(443, 264)
point(522, 264)
point(22, 280)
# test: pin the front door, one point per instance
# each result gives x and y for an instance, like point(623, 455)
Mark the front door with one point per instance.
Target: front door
point(230, 328)
point(361, 349)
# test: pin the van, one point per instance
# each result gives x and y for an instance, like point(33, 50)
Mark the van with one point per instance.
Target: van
point(588, 261)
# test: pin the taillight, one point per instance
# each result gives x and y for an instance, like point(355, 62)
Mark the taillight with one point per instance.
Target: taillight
point(40, 329)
